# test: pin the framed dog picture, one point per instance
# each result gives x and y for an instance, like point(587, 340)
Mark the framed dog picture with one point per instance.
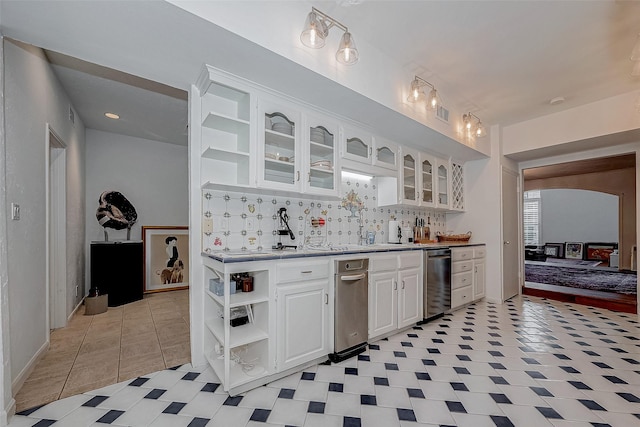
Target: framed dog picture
point(166, 258)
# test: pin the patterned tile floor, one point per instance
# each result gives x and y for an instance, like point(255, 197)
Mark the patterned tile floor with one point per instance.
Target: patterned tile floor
point(528, 362)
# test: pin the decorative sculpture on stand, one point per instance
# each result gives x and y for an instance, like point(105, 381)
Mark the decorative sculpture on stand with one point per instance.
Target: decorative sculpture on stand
point(116, 212)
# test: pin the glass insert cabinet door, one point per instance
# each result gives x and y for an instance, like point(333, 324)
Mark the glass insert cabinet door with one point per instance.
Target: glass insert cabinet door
point(409, 177)
point(322, 158)
point(358, 148)
point(279, 149)
point(427, 181)
point(443, 185)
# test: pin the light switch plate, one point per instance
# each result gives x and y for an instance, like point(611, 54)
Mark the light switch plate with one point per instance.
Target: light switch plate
point(15, 211)
point(207, 225)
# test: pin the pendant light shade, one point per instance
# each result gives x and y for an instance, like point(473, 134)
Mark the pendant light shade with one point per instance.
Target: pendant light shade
point(473, 126)
point(418, 95)
point(347, 53)
point(315, 32)
point(316, 29)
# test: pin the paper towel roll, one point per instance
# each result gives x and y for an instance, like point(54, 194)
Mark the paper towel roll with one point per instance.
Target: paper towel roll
point(393, 232)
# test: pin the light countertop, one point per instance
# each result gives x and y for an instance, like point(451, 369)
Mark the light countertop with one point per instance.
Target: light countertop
point(268, 254)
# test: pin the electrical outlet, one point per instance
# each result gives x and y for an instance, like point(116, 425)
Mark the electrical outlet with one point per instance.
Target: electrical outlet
point(224, 224)
point(249, 225)
point(207, 225)
point(15, 211)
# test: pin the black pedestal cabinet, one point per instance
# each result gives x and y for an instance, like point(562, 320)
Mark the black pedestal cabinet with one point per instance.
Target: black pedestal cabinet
point(117, 269)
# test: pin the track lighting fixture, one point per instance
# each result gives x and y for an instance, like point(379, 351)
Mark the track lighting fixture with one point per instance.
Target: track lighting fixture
point(316, 30)
point(418, 95)
point(473, 125)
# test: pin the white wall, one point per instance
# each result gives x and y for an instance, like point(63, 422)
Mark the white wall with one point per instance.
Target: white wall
point(597, 215)
point(151, 174)
point(33, 98)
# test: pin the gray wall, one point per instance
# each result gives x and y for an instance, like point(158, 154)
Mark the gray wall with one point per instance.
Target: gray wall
point(152, 175)
point(579, 216)
point(33, 98)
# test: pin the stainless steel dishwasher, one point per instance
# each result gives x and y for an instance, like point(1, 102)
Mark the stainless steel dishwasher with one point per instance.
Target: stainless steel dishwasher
point(351, 309)
point(437, 282)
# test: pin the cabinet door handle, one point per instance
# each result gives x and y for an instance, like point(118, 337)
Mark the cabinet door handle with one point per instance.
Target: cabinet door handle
point(326, 298)
point(306, 271)
point(395, 285)
point(403, 284)
point(309, 177)
point(370, 151)
point(297, 175)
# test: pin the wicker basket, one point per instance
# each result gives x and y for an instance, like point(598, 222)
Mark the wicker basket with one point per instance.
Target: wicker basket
point(454, 237)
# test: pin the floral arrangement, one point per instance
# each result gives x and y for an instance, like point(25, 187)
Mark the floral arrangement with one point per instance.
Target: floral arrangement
point(352, 202)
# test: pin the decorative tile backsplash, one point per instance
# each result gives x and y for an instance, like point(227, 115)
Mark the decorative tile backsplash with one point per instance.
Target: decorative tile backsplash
point(244, 221)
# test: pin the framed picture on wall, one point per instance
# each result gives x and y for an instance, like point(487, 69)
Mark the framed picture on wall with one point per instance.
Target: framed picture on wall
point(573, 250)
point(554, 250)
point(166, 258)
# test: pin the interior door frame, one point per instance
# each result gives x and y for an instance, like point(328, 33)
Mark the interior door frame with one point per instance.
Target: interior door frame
point(56, 229)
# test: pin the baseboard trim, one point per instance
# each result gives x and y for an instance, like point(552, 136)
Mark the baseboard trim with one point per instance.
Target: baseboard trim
point(8, 412)
point(20, 379)
point(75, 309)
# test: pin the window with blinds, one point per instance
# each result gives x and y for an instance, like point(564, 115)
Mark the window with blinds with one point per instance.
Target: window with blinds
point(532, 217)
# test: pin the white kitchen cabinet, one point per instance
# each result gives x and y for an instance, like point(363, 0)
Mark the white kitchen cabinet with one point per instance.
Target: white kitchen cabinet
point(228, 348)
point(227, 116)
point(427, 180)
point(409, 297)
point(467, 274)
point(395, 291)
point(409, 177)
point(479, 274)
point(278, 151)
point(321, 167)
point(385, 153)
point(383, 304)
point(357, 145)
point(302, 301)
point(457, 186)
point(443, 183)
point(461, 276)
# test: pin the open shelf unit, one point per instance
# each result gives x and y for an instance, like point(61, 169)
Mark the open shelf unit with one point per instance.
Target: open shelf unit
point(244, 353)
point(226, 115)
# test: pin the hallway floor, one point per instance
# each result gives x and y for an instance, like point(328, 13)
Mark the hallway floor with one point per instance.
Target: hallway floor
point(528, 362)
point(125, 342)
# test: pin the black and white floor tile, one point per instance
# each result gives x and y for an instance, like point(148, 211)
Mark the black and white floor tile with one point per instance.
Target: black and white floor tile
point(528, 362)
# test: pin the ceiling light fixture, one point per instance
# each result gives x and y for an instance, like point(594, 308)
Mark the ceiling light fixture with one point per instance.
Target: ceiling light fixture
point(113, 116)
point(473, 125)
point(316, 30)
point(418, 95)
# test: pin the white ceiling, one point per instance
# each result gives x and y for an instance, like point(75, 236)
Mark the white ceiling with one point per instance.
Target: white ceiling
point(147, 109)
point(502, 60)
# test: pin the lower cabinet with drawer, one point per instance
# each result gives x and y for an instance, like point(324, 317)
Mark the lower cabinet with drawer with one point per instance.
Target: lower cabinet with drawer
point(395, 291)
point(302, 312)
point(467, 275)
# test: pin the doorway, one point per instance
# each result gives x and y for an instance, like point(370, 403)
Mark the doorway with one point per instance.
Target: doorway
point(56, 230)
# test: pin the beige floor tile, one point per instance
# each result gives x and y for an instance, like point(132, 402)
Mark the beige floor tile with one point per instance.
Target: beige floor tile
point(125, 342)
point(71, 390)
point(177, 355)
point(140, 349)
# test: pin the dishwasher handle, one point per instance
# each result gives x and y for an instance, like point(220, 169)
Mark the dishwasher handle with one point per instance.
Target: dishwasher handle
point(353, 277)
point(439, 257)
